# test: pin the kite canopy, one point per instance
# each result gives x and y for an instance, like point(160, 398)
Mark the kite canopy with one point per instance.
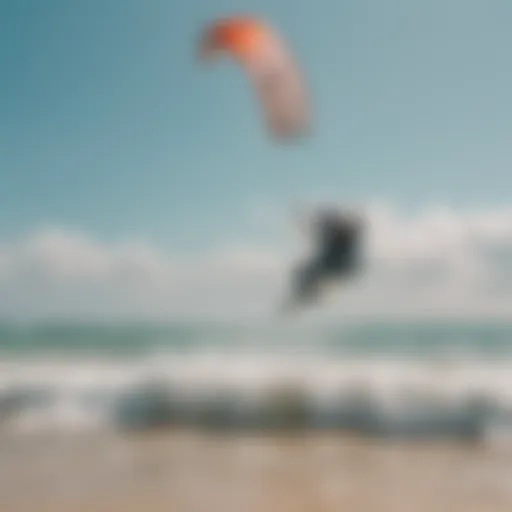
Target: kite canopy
point(269, 67)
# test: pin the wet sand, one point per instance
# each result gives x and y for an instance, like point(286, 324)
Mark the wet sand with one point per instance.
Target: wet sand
point(182, 471)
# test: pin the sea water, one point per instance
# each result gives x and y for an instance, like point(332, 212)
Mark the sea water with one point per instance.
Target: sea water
point(380, 379)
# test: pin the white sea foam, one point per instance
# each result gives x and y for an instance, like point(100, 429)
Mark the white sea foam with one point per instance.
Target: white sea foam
point(458, 398)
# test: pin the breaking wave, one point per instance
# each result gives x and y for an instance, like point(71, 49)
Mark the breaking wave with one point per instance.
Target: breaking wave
point(385, 397)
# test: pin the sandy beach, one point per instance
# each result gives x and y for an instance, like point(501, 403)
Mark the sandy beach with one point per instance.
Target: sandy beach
point(192, 471)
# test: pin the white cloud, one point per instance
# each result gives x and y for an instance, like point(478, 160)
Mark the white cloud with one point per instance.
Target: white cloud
point(438, 262)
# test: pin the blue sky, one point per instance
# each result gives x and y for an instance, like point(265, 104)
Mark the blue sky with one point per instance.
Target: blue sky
point(108, 124)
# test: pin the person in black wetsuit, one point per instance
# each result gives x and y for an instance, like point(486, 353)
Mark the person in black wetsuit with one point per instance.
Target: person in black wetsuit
point(337, 239)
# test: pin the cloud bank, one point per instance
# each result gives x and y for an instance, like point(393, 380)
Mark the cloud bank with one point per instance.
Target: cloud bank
point(437, 263)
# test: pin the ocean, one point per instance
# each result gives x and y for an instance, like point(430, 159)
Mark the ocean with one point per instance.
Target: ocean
point(223, 417)
point(384, 380)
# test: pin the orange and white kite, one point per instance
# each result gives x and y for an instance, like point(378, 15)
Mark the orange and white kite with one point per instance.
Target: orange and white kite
point(268, 64)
